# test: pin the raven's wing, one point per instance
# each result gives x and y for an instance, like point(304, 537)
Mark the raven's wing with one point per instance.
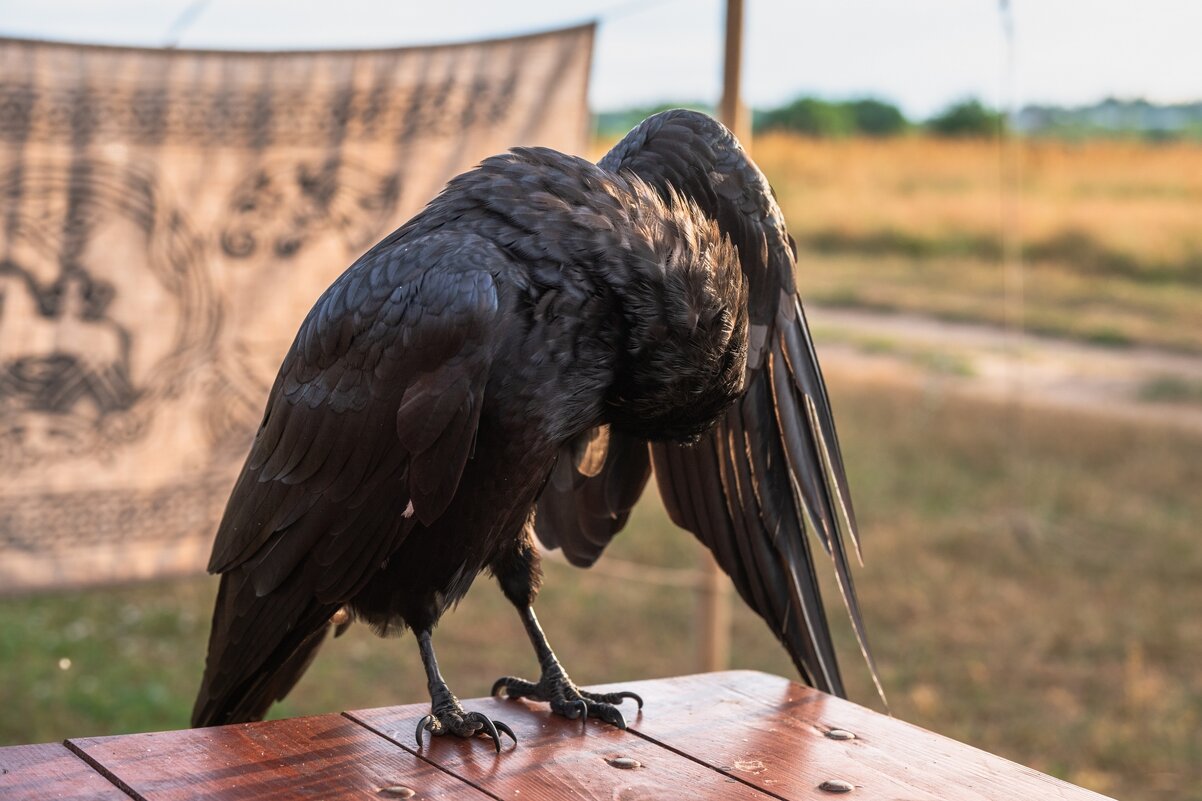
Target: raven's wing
point(772, 468)
point(366, 432)
point(597, 479)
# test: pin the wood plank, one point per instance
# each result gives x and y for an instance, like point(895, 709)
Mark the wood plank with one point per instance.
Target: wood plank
point(51, 771)
point(733, 735)
point(326, 757)
point(772, 733)
point(556, 759)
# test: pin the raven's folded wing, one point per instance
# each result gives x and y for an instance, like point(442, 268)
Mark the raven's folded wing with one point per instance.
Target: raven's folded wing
point(366, 432)
point(772, 468)
point(596, 482)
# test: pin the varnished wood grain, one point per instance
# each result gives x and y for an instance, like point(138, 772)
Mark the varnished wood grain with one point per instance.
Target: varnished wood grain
point(51, 771)
point(324, 757)
point(558, 759)
point(734, 735)
point(771, 732)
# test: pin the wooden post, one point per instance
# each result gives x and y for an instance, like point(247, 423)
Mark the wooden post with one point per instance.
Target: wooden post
point(730, 110)
point(713, 608)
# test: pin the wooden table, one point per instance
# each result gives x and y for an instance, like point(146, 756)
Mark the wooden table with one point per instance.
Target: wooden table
point(733, 735)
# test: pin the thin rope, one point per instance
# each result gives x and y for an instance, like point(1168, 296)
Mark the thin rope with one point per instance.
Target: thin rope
point(623, 570)
point(183, 22)
point(1013, 275)
point(630, 8)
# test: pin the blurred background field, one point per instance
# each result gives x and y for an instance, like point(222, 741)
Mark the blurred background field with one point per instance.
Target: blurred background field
point(1111, 230)
point(1067, 639)
point(1033, 575)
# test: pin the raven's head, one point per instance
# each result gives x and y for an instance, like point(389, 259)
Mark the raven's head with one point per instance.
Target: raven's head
point(687, 332)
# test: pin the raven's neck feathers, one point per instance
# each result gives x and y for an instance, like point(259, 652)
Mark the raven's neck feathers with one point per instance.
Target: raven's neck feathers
point(679, 297)
point(692, 153)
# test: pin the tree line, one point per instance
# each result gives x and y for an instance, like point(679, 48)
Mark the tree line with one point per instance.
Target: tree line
point(969, 118)
point(811, 116)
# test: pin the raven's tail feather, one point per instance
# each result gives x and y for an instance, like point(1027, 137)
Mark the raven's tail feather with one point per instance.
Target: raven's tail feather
point(254, 661)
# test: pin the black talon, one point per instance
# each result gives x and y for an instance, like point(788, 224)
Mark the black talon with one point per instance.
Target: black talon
point(514, 688)
point(421, 726)
point(490, 729)
point(447, 716)
point(566, 699)
point(614, 698)
point(505, 728)
point(554, 686)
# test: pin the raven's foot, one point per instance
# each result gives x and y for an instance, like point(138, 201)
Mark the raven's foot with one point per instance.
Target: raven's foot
point(566, 698)
point(450, 718)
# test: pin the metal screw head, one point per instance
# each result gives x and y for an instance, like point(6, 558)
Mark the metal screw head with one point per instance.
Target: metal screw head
point(840, 734)
point(397, 791)
point(836, 786)
point(626, 763)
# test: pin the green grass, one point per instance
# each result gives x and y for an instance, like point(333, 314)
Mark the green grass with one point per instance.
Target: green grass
point(934, 360)
point(1045, 607)
point(1057, 300)
point(1171, 389)
point(1075, 250)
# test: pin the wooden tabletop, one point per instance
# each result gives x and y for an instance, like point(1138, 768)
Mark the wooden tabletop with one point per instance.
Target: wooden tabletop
point(732, 735)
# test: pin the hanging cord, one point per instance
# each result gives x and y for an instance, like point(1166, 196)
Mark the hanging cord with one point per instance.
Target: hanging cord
point(629, 8)
point(624, 570)
point(1013, 278)
point(183, 22)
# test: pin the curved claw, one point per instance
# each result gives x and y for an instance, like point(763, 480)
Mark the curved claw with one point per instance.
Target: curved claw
point(514, 688)
point(490, 729)
point(622, 696)
point(609, 713)
point(422, 725)
point(582, 705)
point(503, 727)
point(614, 698)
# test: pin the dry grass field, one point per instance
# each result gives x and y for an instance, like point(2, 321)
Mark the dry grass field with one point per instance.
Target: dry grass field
point(1039, 596)
point(1111, 232)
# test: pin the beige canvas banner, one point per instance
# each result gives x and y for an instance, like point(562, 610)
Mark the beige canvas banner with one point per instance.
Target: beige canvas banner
point(167, 218)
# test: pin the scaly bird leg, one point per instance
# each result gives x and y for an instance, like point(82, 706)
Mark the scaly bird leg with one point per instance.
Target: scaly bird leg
point(447, 716)
point(556, 688)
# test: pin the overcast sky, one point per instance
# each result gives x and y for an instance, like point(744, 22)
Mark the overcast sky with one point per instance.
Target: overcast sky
point(921, 54)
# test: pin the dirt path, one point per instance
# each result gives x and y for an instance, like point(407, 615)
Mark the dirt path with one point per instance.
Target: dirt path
point(1136, 383)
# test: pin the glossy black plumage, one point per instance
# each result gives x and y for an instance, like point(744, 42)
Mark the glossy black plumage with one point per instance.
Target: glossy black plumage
point(528, 333)
point(772, 468)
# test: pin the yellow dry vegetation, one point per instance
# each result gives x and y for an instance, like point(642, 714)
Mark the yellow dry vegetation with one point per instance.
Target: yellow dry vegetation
point(1110, 232)
point(1140, 201)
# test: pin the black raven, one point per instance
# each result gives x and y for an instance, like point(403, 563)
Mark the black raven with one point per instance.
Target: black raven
point(514, 348)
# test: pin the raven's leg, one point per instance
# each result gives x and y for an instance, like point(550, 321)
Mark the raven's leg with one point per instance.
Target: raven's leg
point(447, 716)
point(520, 575)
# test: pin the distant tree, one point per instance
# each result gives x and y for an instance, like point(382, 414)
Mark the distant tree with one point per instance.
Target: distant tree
point(873, 117)
point(811, 116)
point(619, 121)
point(967, 118)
